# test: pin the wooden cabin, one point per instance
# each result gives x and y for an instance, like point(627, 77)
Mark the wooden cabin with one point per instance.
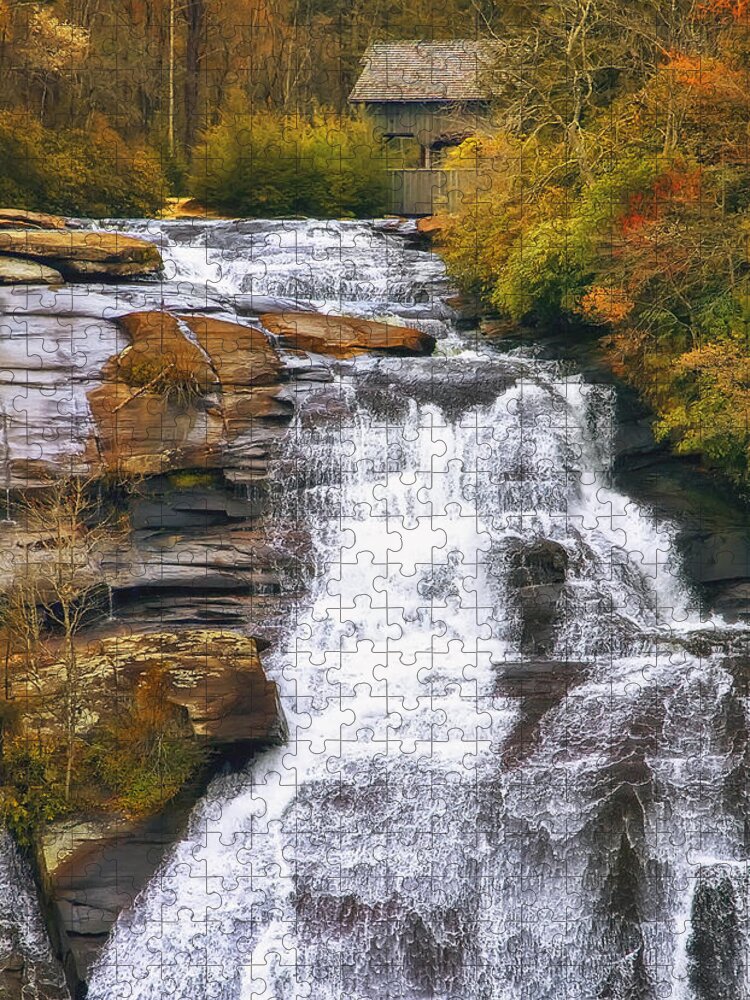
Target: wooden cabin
point(433, 95)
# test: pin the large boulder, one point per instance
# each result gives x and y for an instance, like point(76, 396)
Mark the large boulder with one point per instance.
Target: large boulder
point(16, 271)
point(83, 254)
point(240, 355)
point(20, 218)
point(432, 225)
point(161, 345)
point(216, 677)
point(139, 432)
point(345, 336)
point(185, 392)
point(93, 868)
point(213, 678)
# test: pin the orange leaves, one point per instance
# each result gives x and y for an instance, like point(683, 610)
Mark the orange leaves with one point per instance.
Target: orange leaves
point(606, 305)
point(642, 208)
point(671, 188)
point(678, 186)
point(153, 709)
point(735, 9)
point(705, 76)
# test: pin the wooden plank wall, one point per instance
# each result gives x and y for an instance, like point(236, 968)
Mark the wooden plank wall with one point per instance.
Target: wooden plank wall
point(430, 192)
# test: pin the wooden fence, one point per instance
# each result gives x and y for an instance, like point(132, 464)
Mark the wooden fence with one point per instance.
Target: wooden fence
point(429, 192)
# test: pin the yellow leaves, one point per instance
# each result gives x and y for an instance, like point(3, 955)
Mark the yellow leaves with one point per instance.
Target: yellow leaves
point(725, 367)
point(604, 305)
point(55, 46)
point(706, 408)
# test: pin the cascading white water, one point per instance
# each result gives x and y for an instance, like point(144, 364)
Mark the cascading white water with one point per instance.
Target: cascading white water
point(426, 832)
point(23, 936)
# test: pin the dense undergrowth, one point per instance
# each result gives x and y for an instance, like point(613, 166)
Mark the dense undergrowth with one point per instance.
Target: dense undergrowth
point(264, 164)
point(88, 172)
point(259, 164)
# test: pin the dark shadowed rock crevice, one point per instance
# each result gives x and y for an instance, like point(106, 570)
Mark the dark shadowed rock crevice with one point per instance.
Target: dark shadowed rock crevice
point(538, 573)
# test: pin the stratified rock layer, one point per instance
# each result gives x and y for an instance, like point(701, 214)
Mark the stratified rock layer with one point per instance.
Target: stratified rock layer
point(345, 336)
point(15, 218)
point(78, 253)
point(16, 271)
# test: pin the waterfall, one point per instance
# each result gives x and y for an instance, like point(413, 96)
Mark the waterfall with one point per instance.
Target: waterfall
point(24, 944)
point(516, 755)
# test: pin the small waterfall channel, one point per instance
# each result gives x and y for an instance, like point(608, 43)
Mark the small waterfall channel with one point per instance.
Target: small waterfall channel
point(517, 761)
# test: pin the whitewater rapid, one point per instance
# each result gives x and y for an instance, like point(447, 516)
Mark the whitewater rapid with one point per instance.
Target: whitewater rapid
point(426, 831)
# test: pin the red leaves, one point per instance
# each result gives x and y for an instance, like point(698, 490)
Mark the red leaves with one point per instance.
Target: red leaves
point(736, 9)
point(706, 75)
point(671, 188)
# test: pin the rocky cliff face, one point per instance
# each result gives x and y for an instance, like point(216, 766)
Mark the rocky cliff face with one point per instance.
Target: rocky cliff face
point(95, 863)
point(182, 410)
point(169, 414)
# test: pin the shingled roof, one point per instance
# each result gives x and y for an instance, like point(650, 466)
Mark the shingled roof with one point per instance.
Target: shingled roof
point(427, 71)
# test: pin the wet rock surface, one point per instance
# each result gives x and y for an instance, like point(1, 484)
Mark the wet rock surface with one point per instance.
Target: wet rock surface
point(83, 255)
point(16, 271)
point(94, 867)
point(345, 336)
point(538, 573)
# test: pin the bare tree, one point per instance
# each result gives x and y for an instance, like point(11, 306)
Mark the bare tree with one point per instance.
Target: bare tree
point(58, 587)
point(565, 61)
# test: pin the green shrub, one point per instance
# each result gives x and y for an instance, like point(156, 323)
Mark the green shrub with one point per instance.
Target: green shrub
point(263, 164)
point(145, 758)
point(190, 479)
point(89, 173)
point(143, 771)
point(33, 787)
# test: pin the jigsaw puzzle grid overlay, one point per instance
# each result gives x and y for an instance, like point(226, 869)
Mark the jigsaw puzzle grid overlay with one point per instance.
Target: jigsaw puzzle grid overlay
point(359, 643)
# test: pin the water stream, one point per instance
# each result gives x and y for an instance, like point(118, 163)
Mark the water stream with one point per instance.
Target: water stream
point(517, 755)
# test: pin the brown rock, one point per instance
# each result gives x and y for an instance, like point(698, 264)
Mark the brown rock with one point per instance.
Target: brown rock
point(240, 355)
point(345, 336)
point(83, 252)
point(15, 271)
point(264, 402)
point(95, 868)
point(143, 433)
point(13, 218)
point(431, 225)
point(213, 678)
point(161, 345)
point(89, 270)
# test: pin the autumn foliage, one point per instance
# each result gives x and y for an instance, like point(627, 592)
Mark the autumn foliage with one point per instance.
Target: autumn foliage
point(734, 9)
point(640, 229)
